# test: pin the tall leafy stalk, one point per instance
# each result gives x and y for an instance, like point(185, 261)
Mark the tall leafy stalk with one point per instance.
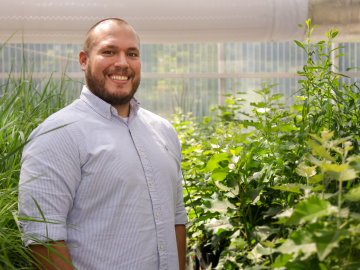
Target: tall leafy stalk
point(280, 188)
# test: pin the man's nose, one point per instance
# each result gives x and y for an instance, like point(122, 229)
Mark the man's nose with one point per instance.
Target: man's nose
point(121, 60)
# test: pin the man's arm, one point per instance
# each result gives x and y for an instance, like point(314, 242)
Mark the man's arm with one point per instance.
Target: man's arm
point(40, 252)
point(180, 232)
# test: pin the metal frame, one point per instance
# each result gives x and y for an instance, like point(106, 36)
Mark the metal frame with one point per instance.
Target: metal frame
point(148, 75)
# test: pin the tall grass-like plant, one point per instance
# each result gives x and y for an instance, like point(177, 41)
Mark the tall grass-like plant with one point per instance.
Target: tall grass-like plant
point(23, 106)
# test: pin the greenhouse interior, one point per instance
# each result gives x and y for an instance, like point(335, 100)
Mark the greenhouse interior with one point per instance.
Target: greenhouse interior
point(264, 98)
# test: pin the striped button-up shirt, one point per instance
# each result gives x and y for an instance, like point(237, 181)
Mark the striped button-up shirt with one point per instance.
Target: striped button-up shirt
point(111, 189)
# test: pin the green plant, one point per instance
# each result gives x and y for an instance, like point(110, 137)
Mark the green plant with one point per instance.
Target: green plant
point(22, 107)
point(280, 189)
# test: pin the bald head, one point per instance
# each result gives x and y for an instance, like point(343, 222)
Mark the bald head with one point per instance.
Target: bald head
point(91, 39)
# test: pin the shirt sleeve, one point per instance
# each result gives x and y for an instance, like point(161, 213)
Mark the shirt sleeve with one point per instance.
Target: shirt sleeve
point(50, 174)
point(180, 216)
point(180, 213)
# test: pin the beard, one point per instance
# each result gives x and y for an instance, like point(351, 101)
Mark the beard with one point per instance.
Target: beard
point(98, 88)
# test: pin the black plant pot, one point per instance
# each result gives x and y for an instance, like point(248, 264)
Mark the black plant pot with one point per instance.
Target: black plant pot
point(205, 257)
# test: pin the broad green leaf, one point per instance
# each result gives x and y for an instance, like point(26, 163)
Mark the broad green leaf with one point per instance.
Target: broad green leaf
point(225, 186)
point(256, 176)
point(219, 174)
point(219, 205)
point(299, 108)
point(300, 97)
point(281, 260)
point(236, 239)
point(238, 150)
point(310, 210)
point(289, 187)
point(315, 179)
point(313, 160)
point(353, 194)
point(288, 128)
point(318, 188)
point(191, 149)
point(276, 96)
point(306, 171)
point(323, 266)
point(355, 215)
point(252, 194)
point(254, 255)
point(261, 233)
point(259, 104)
point(300, 240)
point(214, 161)
point(229, 101)
point(265, 250)
point(327, 240)
point(268, 244)
point(219, 225)
point(201, 218)
point(239, 242)
point(340, 172)
point(348, 174)
point(286, 213)
point(319, 150)
point(335, 167)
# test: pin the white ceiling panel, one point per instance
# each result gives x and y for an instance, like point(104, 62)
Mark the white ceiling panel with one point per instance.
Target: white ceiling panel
point(156, 21)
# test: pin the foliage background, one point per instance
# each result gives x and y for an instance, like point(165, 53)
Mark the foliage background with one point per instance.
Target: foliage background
point(278, 189)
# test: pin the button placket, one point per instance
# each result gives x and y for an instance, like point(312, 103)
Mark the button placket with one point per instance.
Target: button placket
point(156, 208)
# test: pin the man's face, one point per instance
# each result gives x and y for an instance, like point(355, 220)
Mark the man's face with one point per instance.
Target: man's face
point(113, 66)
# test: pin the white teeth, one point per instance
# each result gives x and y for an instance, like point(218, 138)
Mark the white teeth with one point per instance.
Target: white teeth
point(119, 78)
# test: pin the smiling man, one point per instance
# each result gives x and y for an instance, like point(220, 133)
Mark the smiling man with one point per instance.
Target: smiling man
point(109, 184)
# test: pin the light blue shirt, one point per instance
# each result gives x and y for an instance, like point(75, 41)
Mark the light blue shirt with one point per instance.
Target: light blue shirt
point(119, 183)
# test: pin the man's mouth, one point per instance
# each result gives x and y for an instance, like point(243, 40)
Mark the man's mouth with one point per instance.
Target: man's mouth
point(119, 78)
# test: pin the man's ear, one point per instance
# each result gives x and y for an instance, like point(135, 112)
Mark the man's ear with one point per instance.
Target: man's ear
point(83, 60)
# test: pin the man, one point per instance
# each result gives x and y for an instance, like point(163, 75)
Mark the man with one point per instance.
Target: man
point(109, 181)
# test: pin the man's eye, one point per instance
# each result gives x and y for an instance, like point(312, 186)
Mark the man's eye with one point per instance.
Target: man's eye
point(132, 54)
point(109, 52)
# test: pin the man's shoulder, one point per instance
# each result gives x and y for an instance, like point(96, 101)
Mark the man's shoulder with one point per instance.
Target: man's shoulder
point(71, 112)
point(65, 116)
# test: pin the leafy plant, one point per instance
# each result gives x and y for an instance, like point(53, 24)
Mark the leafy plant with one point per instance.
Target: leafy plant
point(280, 188)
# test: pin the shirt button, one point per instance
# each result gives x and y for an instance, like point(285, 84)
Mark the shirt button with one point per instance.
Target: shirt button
point(151, 183)
point(108, 117)
point(142, 153)
point(161, 246)
point(157, 213)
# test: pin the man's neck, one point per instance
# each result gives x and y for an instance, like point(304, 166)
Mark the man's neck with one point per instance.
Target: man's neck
point(123, 110)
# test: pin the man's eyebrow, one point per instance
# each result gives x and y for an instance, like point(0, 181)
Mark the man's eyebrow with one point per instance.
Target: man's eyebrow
point(117, 47)
point(110, 47)
point(133, 49)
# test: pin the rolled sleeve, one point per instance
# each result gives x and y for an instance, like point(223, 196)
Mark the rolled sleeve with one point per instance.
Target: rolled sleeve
point(180, 214)
point(50, 175)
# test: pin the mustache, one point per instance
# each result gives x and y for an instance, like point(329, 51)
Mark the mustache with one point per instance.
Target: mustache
point(123, 71)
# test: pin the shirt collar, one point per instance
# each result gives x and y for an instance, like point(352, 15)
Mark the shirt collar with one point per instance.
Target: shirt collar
point(102, 107)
